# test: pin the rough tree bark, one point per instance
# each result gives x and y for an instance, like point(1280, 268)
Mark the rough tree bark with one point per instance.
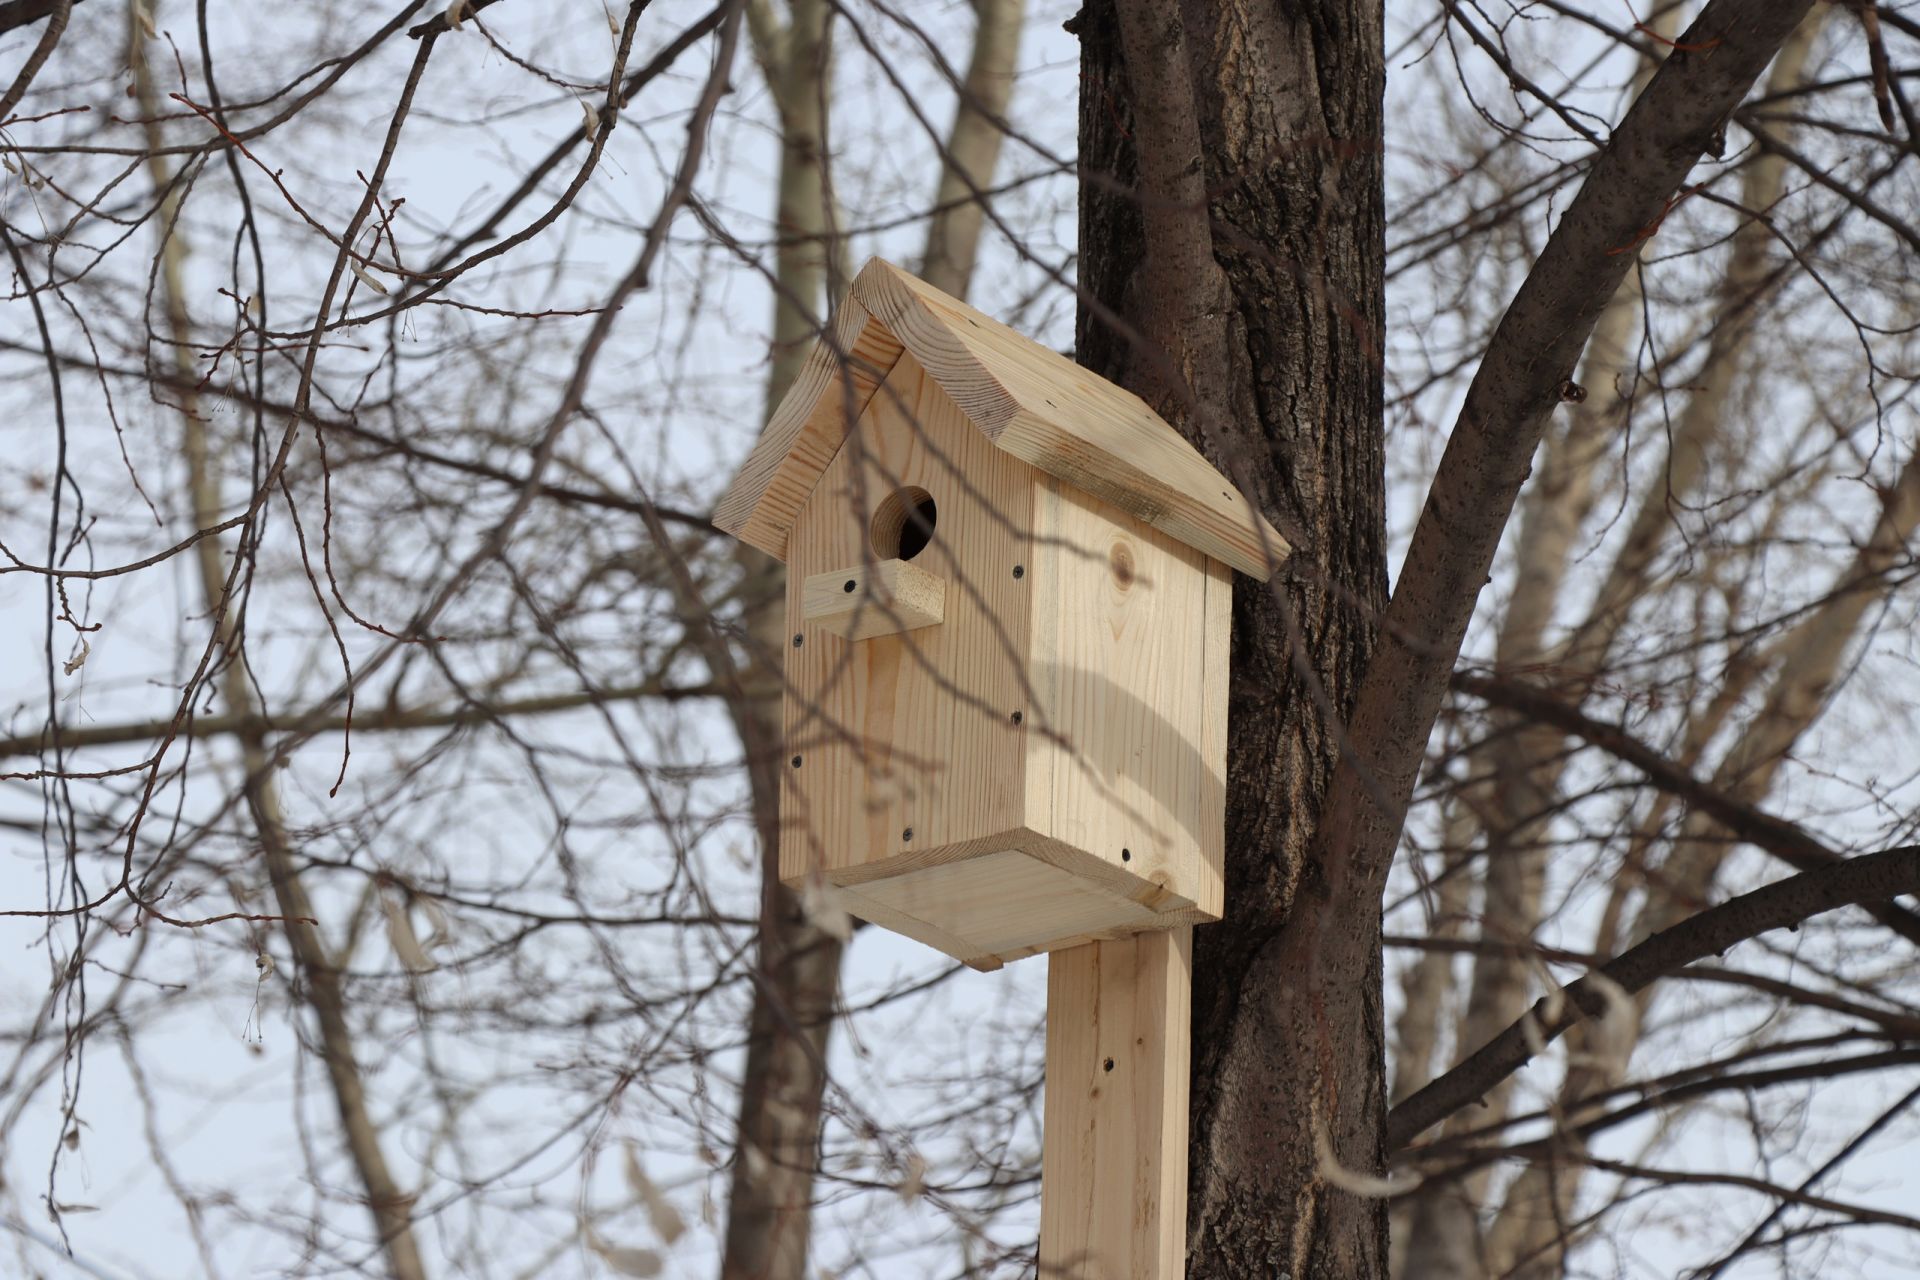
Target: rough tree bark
point(1272, 115)
point(1285, 108)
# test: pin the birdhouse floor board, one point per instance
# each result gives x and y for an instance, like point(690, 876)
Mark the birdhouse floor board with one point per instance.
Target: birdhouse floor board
point(1006, 901)
point(989, 908)
point(872, 911)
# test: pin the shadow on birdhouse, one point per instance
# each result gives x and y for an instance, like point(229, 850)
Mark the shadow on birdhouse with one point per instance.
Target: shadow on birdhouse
point(1009, 585)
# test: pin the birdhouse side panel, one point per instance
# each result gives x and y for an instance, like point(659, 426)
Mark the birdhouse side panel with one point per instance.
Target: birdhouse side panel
point(1127, 764)
point(903, 749)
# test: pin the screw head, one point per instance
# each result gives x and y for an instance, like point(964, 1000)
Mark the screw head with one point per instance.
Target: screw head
point(1126, 855)
point(797, 639)
point(796, 762)
point(1019, 571)
point(1018, 716)
point(849, 586)
point(907, 835)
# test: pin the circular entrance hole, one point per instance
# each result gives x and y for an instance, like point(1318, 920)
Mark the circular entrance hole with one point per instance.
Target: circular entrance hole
point(903, 524)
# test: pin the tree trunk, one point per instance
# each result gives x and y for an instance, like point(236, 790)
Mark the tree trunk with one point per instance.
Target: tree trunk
point(1286, 111)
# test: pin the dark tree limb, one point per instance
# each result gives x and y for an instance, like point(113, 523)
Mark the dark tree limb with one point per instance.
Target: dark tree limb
point(326, 720)
point(1892, 1022)
point(1799, 1195)
point(1463, 1154)
point(1633, 183)
point(530, 182)
point(1286, 101)
point(1186, 325)
point(19, 13)
point(1871, 878)
point(437, 24)
point(1784, 1194)
point(57, 12)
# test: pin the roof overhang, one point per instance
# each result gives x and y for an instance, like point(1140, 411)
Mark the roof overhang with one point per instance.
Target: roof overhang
point(1026, 398)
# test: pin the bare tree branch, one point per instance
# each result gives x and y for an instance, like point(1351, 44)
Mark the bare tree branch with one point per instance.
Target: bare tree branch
point(1782, 839)
point(1871, 878)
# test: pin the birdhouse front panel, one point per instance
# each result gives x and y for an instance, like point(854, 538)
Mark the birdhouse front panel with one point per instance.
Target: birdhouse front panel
point(903, 744)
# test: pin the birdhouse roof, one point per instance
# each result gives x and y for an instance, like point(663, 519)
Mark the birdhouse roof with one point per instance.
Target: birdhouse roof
point(1029, 400)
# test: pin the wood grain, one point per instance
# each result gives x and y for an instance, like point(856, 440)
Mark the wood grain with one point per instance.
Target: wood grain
point(1044, 766)
point(1007, 903)
point(1113, 1167)
point(806, 430)
point(881, 598)
point(906, 741)
point(1127, 753)
point(1071, 423)
point(1032, 402)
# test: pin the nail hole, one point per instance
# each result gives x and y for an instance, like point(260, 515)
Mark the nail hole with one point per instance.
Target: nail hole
point(1018, 717)
point(907, 835)
point(796, 762)
point(849, 585)
point(1019, 571)
point(796, 642)
point(1107, 1065)
point(1126, 855)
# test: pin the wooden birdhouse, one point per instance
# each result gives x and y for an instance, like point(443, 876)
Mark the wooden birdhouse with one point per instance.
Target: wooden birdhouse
point(1008, 609)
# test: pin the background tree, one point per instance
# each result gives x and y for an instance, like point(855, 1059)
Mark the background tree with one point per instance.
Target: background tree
point(801, 944)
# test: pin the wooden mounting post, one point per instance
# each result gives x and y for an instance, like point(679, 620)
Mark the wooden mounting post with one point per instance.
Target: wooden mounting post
point(1113, 1169)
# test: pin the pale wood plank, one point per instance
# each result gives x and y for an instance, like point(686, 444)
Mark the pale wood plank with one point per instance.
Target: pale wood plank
point(1070, 423)
point(1216, 661)
point(1105, 792)
point(1120, 764)
point(853, 902)
point(877, 599)
point(1112, 877)
point(1005, 902)
point(1113, 1169)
